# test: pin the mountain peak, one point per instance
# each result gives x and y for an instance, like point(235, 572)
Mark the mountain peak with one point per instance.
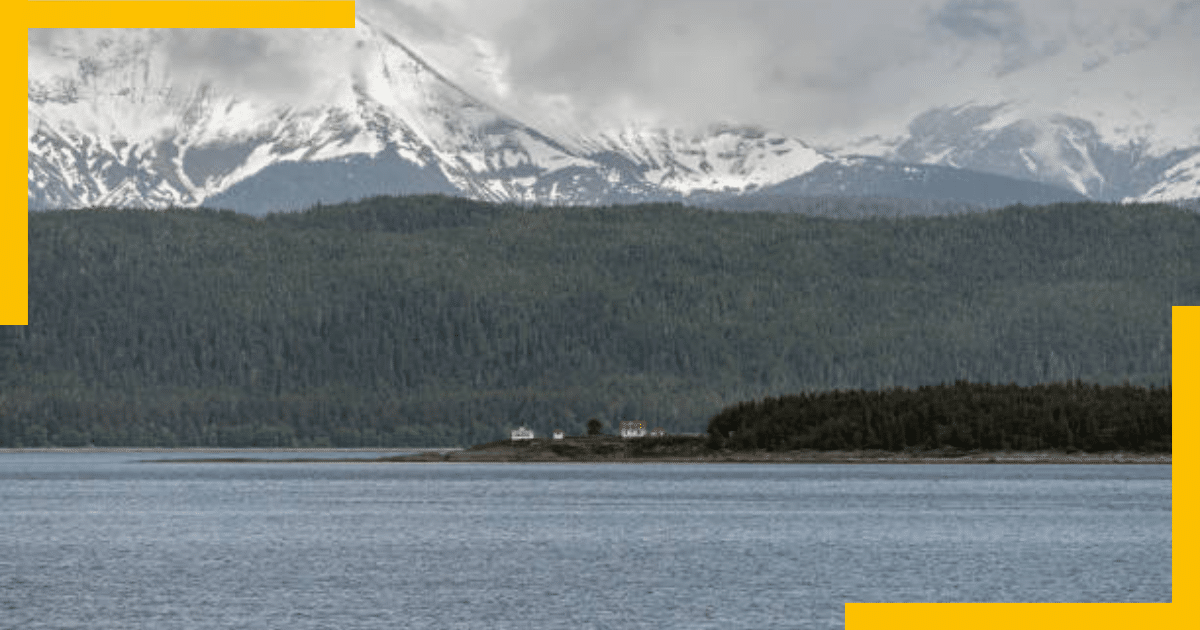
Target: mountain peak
point(126, 118)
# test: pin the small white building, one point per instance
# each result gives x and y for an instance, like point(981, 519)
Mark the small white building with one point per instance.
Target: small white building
point(522, 433)
point(633, 429)
point(658, 432)
point(558, 435)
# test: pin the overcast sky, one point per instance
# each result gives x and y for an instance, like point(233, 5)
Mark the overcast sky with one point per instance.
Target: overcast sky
point(811, 69)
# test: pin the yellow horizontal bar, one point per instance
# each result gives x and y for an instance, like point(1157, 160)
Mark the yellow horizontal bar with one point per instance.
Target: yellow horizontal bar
point(1020, 615)
point(191, 14)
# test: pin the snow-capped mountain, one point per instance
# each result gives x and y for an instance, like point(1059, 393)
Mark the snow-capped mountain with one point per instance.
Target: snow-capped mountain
point(1181, 181)
point(1087, 96)
point(113, 122)
point(117, 128)
point(1054, 149)
point(730, 159)
point(875, 177)
point(109, 124)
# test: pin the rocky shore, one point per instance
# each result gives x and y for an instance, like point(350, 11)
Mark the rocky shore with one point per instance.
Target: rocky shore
point(691, 450)
point(688, 449)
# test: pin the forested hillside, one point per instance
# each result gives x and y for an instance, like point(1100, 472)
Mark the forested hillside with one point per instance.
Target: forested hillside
point(442, 321)
point(1068, 416)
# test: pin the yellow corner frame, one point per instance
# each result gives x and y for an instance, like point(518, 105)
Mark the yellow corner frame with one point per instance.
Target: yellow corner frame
point(27, 14)
point(1185, 347)
point(1185, 404)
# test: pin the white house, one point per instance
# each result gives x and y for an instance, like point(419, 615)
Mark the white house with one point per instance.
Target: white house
point(558, 435)
point(658, 432)
point(522, 433)
point(633, 429)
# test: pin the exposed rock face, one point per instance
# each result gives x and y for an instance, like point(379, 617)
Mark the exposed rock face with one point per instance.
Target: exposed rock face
point(113, 123)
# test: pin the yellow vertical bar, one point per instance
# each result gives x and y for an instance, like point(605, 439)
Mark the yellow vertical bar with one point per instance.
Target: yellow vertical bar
point(14, 217)
point(20, 16)
point(1185, 435)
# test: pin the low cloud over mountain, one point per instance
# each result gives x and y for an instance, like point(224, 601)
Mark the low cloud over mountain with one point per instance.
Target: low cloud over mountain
point(622, 101)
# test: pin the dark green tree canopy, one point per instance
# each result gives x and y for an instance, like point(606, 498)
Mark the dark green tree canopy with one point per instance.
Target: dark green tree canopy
point(440, 321)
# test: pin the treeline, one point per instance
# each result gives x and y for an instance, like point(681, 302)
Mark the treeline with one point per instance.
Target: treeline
point(439, 321)
point(966, 416)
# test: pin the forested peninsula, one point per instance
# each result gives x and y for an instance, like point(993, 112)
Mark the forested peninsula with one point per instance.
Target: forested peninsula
point(438, 321)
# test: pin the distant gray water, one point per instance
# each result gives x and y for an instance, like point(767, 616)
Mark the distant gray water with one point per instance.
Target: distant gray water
point(103, 540)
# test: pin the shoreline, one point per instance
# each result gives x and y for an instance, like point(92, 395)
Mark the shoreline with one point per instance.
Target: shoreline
point(223, 449)
point(814, 457)
point(782, 458)
point(615, 451)
point(694, 449)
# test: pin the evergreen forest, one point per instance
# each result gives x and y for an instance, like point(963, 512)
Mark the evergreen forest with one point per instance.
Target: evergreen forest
point(1068, 416)
point(440, 321)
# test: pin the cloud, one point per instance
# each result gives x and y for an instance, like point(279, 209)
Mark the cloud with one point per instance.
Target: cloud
point(995, 22)
point(808, 68)
point(241, 60)
point(299, 67)
point(695, 61)
point(812, 69)
point(982, 19)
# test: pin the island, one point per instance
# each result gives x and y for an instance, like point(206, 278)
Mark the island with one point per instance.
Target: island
point(697, 449)
point(679, 449)
point(963, 422)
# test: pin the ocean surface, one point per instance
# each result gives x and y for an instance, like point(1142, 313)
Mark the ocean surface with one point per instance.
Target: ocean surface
point(107, 540)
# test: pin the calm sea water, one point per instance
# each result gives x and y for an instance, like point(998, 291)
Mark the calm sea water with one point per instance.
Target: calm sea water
point(105, 540)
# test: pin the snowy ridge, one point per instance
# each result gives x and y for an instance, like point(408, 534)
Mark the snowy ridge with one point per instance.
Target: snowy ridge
point(113, 122)
point(1010, 139)
point(110, 125)
point(1181, 181)
point(726, 159)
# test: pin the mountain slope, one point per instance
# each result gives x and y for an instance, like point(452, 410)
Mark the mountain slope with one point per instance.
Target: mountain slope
point(874, 177)
point(437, 320)
point(1180, 182)
point(1058, 149)
point(113, 121)
point(110, 125)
